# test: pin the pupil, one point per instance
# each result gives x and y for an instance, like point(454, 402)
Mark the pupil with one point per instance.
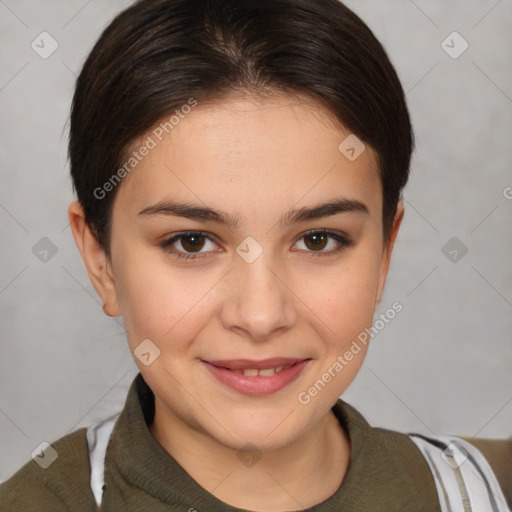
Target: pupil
point(194, 244)
point(317, 238)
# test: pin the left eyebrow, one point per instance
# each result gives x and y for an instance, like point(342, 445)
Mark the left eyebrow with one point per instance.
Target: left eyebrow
point(323, 210)
point(293, 216)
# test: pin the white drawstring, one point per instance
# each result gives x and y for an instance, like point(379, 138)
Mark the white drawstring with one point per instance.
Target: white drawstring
point(98, 436)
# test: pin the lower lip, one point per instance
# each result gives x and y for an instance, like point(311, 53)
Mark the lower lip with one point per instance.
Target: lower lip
point(257, 385)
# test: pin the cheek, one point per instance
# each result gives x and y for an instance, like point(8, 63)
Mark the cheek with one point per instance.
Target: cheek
point(157, 301)
point(343, 305)
point(344, 297)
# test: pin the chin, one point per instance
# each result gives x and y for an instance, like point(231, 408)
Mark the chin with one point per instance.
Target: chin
point(267, 430)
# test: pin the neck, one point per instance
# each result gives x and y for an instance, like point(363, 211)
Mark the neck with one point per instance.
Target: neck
point(297, 476)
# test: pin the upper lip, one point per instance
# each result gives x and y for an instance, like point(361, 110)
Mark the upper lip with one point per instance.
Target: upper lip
point(244, 364)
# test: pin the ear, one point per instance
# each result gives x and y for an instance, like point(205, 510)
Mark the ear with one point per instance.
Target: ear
point(388, 249)
point(96, 262)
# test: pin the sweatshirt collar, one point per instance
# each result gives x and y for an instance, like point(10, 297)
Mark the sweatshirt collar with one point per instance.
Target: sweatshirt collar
point(385, 469)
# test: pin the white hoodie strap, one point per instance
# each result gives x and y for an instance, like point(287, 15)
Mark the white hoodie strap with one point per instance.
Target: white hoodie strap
point(464, 480)
point(98, 436)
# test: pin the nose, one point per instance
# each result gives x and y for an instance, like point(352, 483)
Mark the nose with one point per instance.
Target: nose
point(260, 303)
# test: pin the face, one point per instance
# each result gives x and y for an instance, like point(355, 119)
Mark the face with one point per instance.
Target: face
point(224, 258)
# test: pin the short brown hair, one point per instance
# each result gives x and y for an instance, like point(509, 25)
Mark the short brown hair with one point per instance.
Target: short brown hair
point(157, 54)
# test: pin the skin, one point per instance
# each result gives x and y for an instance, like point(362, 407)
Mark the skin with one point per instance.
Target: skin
point(255, 157)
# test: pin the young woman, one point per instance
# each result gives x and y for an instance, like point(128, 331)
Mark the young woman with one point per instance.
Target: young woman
point(239, 168)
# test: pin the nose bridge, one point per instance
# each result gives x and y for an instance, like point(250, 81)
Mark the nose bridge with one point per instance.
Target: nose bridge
point(260, 299)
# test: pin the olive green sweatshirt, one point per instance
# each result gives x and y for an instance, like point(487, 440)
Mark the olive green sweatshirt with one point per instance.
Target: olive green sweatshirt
point(387, 473)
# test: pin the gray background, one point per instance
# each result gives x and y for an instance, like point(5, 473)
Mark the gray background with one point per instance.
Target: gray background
point(441, 367)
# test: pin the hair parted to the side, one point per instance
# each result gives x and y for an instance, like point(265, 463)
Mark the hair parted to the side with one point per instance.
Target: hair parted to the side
point(158, 54)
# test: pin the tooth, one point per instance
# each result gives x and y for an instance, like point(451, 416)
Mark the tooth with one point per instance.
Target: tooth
point(279, 368)
point(251, 372)
point(267, 372)
point(240, 372)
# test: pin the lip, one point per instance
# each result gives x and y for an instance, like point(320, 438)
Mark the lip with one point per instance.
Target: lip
point(257, 385)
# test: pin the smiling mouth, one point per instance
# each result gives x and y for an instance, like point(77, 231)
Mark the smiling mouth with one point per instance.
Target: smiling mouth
point(263, 372)
point(266, 368)
point(257, 378)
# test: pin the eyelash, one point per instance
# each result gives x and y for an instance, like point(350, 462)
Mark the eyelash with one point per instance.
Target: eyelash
point(343, 242)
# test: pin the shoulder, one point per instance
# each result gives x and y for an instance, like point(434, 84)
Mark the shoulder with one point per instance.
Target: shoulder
point(387, 464)
point(453, 468)
point(394, 447)
point(57, 480)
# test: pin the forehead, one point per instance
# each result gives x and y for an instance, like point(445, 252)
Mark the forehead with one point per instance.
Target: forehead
point(240, 147)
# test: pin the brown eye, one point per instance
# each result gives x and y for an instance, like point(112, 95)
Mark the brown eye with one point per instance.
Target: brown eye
point(318, 241)
point(192, 243)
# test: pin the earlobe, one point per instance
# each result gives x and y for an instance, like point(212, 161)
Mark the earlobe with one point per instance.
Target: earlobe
point(96, 261)
point(388, 250)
